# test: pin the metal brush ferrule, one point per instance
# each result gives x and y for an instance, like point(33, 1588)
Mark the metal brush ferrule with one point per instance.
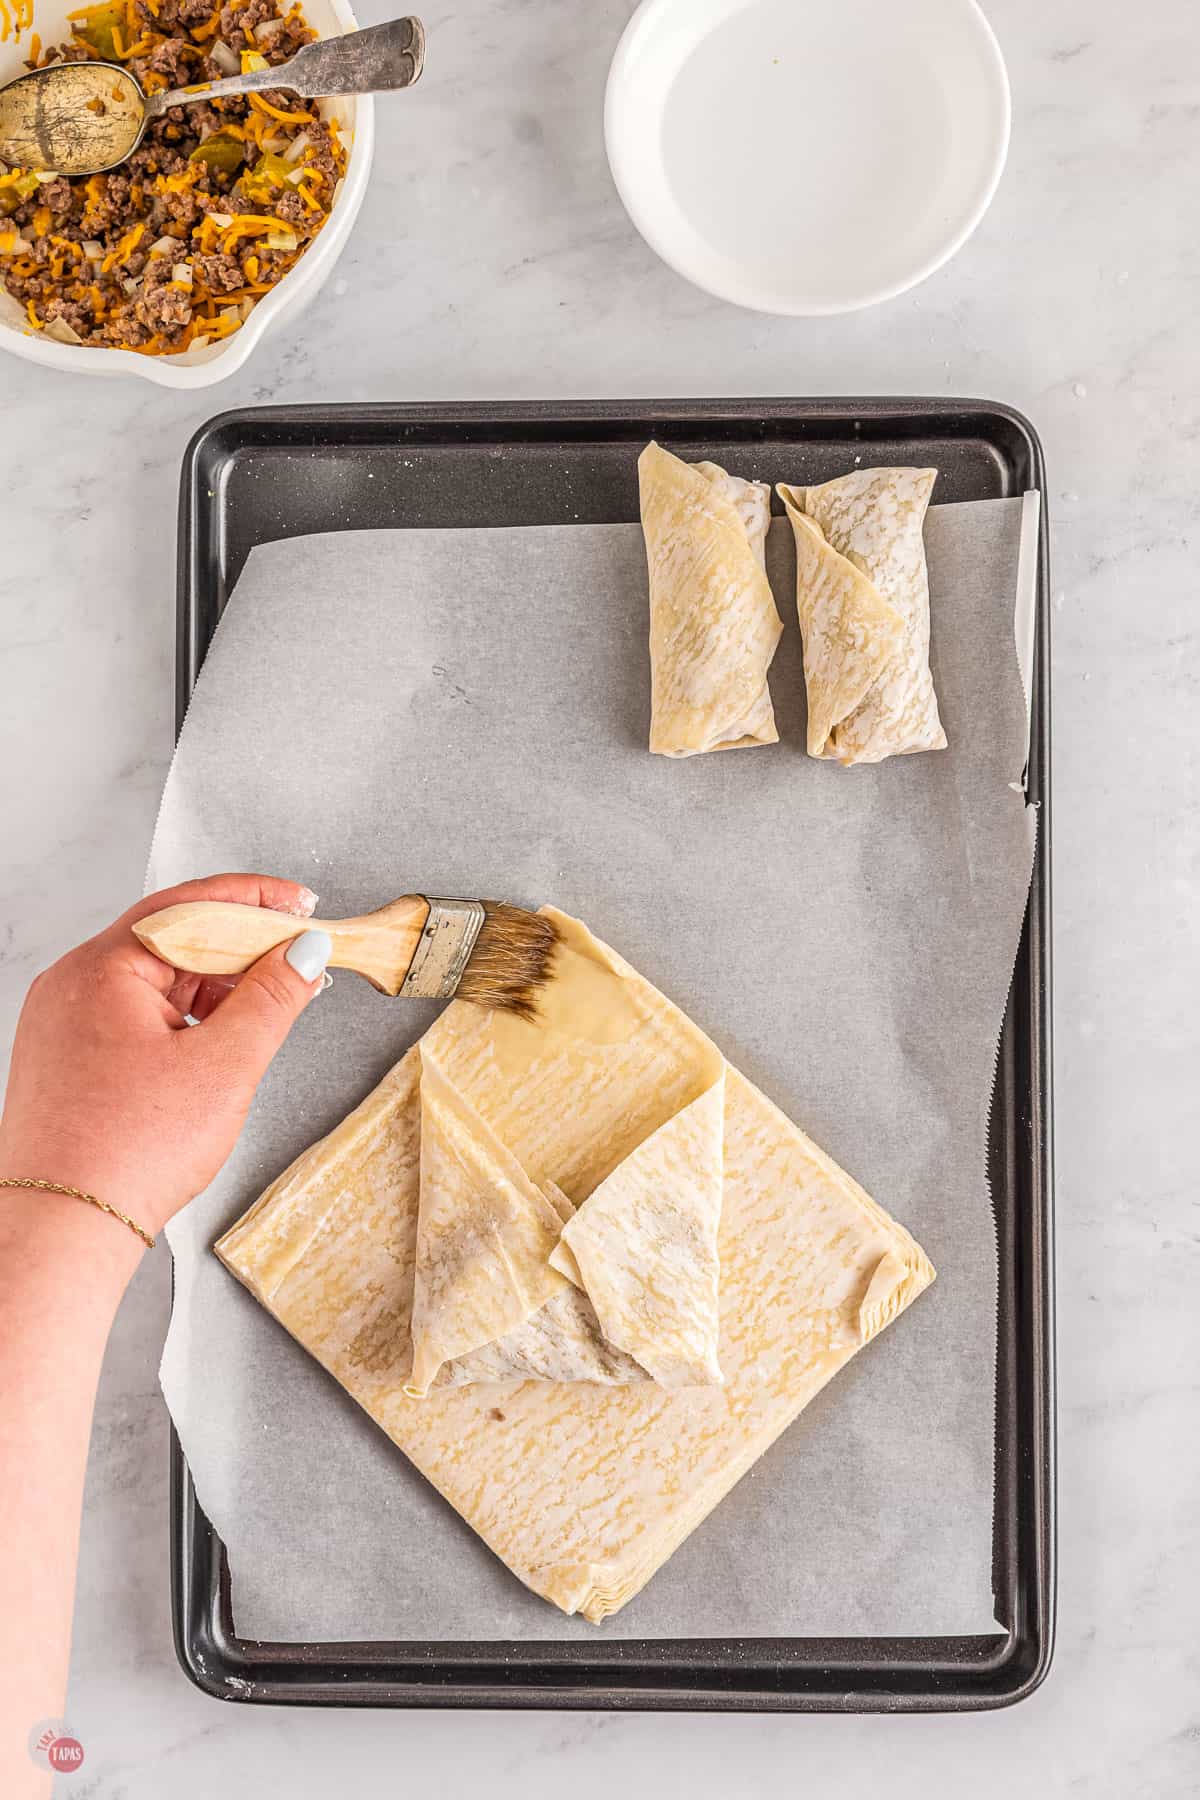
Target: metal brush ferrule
point(450, 934)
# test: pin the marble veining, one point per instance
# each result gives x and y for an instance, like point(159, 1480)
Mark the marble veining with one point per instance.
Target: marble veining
point(492, 259)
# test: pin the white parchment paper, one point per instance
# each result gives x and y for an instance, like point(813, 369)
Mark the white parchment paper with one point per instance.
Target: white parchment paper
point(465, 712)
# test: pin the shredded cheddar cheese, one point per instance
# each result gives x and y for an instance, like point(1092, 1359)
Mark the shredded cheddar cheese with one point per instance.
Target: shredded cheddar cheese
point(120, 256)
point(276, 112)
point(250, 225)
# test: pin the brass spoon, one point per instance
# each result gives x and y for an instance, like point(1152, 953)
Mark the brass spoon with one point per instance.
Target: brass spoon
point(82, 118)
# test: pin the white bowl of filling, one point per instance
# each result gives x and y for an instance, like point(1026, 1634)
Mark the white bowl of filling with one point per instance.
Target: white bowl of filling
point(226, 218)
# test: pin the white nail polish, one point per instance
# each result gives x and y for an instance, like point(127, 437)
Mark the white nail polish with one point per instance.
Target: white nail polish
point(306, 905)
point(309, 953)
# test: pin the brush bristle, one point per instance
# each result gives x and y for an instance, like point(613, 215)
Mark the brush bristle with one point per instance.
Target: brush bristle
point(511, 960)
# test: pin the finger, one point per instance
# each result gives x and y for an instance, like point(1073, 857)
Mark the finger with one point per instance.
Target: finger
point(243, 890)
point(193, 997)
point(249, 1025)
point(182, 994)
point(210, 992)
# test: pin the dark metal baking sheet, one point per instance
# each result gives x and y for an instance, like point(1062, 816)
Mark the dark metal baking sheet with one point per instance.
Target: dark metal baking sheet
point(255, 475)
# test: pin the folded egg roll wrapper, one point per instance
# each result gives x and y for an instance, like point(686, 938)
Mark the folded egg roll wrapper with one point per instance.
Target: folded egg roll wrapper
point(714, 626)
point(583, 1486)
point(866, 641)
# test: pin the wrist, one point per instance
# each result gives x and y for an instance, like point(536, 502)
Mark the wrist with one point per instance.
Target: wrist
point(74, 1158)
point(41, 1223)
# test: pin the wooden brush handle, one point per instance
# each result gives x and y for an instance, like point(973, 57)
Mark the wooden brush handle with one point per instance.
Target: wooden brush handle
point(217, 937)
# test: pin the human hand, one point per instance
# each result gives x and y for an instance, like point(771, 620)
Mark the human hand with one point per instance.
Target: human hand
point(111, 1091)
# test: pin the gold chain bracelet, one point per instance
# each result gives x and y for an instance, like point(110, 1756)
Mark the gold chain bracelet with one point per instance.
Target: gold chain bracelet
point(56, 1187)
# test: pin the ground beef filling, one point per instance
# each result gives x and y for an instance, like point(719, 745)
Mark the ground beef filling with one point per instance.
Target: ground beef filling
point(215, 205)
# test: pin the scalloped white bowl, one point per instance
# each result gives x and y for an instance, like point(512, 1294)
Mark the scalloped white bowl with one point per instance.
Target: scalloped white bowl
point(200, 368)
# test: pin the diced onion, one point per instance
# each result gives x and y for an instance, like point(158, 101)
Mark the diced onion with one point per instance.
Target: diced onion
point(268, 30)
point(274, 144)
point(221, 219)
point(92, 249)
point(247, 307)
point(164, 246)
point(199, 343)
point(230, 313)
point(61, 332)
point(42, 177)
point(182, 273)
point(297, 147)
point(295, 176)
point(19, 247)
point(227, 60)
point(131, 284)
point(282, 240)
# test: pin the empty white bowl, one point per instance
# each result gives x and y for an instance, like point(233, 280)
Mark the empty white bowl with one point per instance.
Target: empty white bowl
point(200, 368)
point(807, 156)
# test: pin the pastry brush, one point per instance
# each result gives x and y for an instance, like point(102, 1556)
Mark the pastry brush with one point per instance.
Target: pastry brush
point(419, 948)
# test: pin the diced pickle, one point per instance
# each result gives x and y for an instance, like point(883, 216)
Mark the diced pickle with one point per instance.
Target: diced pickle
point(259, 184)
point(221, 151)
point(15, 191)
point(97, 31)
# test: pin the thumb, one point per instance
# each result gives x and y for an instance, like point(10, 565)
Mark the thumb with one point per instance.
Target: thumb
point(253, 1022)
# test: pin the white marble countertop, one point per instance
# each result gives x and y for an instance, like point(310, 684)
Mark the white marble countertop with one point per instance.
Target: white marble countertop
point(492, 260)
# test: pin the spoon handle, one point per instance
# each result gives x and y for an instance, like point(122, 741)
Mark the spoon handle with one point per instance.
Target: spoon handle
point(370, 61)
